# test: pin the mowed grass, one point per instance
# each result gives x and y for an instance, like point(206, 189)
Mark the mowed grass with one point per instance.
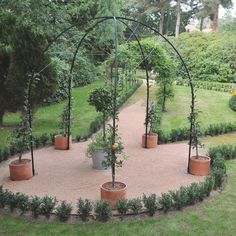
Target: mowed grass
point(214, 216)
point(213, 107)
point(47, 118)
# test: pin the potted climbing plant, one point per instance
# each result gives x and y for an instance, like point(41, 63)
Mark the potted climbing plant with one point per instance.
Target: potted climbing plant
point(61, 140)
point(150, 139)
point(21, 169)
point(113, 190)
point(198, 164)
point(101, 99)
point(97, 151)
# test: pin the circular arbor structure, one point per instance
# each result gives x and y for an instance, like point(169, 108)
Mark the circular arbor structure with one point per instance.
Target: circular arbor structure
point(95, 22)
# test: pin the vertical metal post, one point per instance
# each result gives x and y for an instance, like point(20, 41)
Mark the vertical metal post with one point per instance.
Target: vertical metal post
point(114, 99)
point(69, 111)
point(31, 76)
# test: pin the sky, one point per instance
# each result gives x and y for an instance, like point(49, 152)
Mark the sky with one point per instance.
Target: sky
point(233, 10)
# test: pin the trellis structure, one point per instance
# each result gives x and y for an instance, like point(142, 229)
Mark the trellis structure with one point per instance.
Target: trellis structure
point(124, 21)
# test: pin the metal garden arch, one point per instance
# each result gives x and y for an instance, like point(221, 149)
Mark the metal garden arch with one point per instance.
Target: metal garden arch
point(124, 21)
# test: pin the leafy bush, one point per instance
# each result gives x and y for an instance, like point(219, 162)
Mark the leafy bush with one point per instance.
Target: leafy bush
point(180, 198)
point(150, 203)
point(35, 206)
point(166, 202)
point(232, 103)
point(47, 206)
point(193, 192)
point(211, 57)
point(12, 200)
point(103, 210)
point(23, 203)
point(85, 208)
point(63, 211)
point(228, 152)
point(135, 205)
point(3, 197)
point(122, 206)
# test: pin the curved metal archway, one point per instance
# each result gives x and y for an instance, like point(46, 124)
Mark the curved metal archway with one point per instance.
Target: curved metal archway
point(124, 20)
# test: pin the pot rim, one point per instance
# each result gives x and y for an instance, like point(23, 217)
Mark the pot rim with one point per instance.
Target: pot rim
point(21, 164)
point(206, 158)
point(152, 134)
point(114, 190)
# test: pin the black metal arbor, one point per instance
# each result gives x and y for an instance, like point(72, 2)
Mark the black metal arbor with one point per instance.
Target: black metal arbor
point(124, 21)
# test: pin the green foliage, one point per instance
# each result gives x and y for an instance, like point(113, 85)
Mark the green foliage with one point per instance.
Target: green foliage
point(122, 206)
point(23, 203)
point(35, 206)
point(28, 57)
point(103, 210)
point(101, 99)
point(166, 202)
point(232, 103)
point(215, 86)
point(12, 200)
point(193, 193)
point(180, 198)
point(135, 205)
point(98, 144)
point(211, 57)
point(47, 206)
point(63, 211)
point(150, 203)
point(4, 194)
point(228, 152)
point(85, 208)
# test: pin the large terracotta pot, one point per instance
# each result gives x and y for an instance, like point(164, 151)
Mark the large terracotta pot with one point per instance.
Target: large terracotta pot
point(200, 166)
point(112, 195)
point(20, 170)
point(60, 142)
point(152, 140)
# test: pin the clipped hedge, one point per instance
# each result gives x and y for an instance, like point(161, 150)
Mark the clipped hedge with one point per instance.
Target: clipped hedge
point(220, 87)
point(100, 210)
point(182, 134)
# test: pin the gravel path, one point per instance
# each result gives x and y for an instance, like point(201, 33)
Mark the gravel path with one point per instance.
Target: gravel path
point(69, 175)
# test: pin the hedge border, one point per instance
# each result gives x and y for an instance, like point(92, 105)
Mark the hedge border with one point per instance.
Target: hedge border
point(173, 200)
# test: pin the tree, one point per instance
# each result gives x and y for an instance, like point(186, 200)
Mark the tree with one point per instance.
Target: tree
point(27, 58)
point(7, 22)
point(105, 31)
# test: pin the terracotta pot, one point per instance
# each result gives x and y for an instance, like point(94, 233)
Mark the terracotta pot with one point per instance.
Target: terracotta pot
point(200, 166)
point(152, 140)
point(113, 195)
point(20, 171)
point(60, 142)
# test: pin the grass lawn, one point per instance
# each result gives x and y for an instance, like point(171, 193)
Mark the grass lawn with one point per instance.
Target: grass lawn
point(47, 118)
point(212, 104)
point(213, 217)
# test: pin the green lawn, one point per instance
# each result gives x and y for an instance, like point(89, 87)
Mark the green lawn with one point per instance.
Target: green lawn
point(213, 217)
point(212, 104)
point(47, 118)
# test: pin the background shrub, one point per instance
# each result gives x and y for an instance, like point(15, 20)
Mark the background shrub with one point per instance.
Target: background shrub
point(135, 205)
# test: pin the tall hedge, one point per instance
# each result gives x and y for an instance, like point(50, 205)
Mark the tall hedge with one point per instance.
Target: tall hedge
point(210, 56)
